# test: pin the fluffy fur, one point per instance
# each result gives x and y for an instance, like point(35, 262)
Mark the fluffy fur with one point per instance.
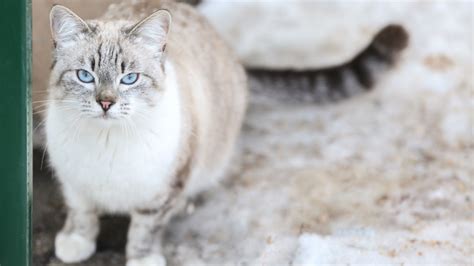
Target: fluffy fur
point(165, 138)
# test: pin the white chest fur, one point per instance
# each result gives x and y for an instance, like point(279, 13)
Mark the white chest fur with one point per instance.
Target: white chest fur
point(114, 168)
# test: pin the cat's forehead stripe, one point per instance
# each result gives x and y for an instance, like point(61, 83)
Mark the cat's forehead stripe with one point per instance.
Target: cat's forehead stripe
point(109, 56)
point(92, 63)
point(100, 54)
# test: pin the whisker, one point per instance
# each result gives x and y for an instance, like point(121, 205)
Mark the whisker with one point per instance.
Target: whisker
point(63, 108)
point(42, 159)
point(76, 132)
point(54, 100)
point(39, 125)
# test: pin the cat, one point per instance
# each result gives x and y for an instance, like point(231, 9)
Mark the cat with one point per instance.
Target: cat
point(143, 115)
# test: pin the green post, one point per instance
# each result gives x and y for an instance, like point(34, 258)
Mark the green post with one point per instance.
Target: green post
point(15, 133)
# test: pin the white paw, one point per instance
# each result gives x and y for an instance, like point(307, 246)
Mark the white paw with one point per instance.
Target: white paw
point(151, 260)
point(71, 248)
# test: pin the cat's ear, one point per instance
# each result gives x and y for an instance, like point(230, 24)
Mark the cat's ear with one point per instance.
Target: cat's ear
point(153, 30)
point(66, 26)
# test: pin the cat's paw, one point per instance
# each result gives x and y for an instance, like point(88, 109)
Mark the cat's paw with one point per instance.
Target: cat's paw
point(151, 260)
point(71, 248)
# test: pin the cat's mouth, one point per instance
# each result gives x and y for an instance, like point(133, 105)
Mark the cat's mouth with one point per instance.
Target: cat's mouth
point(105, 116)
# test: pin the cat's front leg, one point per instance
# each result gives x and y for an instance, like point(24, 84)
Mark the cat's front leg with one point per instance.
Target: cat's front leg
point(146, 230)
point(144, 237)
point(76, 241)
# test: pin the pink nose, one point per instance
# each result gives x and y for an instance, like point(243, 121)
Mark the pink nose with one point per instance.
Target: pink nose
point(105, 105)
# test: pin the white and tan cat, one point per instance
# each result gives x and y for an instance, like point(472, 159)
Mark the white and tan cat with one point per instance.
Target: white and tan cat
point(140, 117)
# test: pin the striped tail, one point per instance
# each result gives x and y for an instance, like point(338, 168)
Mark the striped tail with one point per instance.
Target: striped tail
point(337, 82)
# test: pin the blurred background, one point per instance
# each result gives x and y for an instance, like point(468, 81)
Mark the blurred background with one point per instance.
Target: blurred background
point(383, 177)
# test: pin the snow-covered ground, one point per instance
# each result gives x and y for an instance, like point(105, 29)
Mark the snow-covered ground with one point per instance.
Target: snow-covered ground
point(383, 178)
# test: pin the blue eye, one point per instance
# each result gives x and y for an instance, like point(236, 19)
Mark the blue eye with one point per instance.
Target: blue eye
point(129, 79)
point(85, 76)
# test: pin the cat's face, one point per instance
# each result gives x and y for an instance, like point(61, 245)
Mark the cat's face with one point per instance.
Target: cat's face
point(107, 70)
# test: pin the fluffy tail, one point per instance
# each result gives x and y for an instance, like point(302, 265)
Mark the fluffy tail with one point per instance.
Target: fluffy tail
point(337, 82)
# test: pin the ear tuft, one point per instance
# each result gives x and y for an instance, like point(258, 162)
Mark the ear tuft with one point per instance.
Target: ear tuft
point(65, 25)
point(153, 30)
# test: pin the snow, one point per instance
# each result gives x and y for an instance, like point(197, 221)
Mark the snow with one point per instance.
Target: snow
point(366, 247)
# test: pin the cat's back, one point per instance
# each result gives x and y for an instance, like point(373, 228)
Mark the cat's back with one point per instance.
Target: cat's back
point(213, 84)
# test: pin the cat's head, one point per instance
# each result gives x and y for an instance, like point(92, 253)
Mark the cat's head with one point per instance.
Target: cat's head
point(107, 70)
